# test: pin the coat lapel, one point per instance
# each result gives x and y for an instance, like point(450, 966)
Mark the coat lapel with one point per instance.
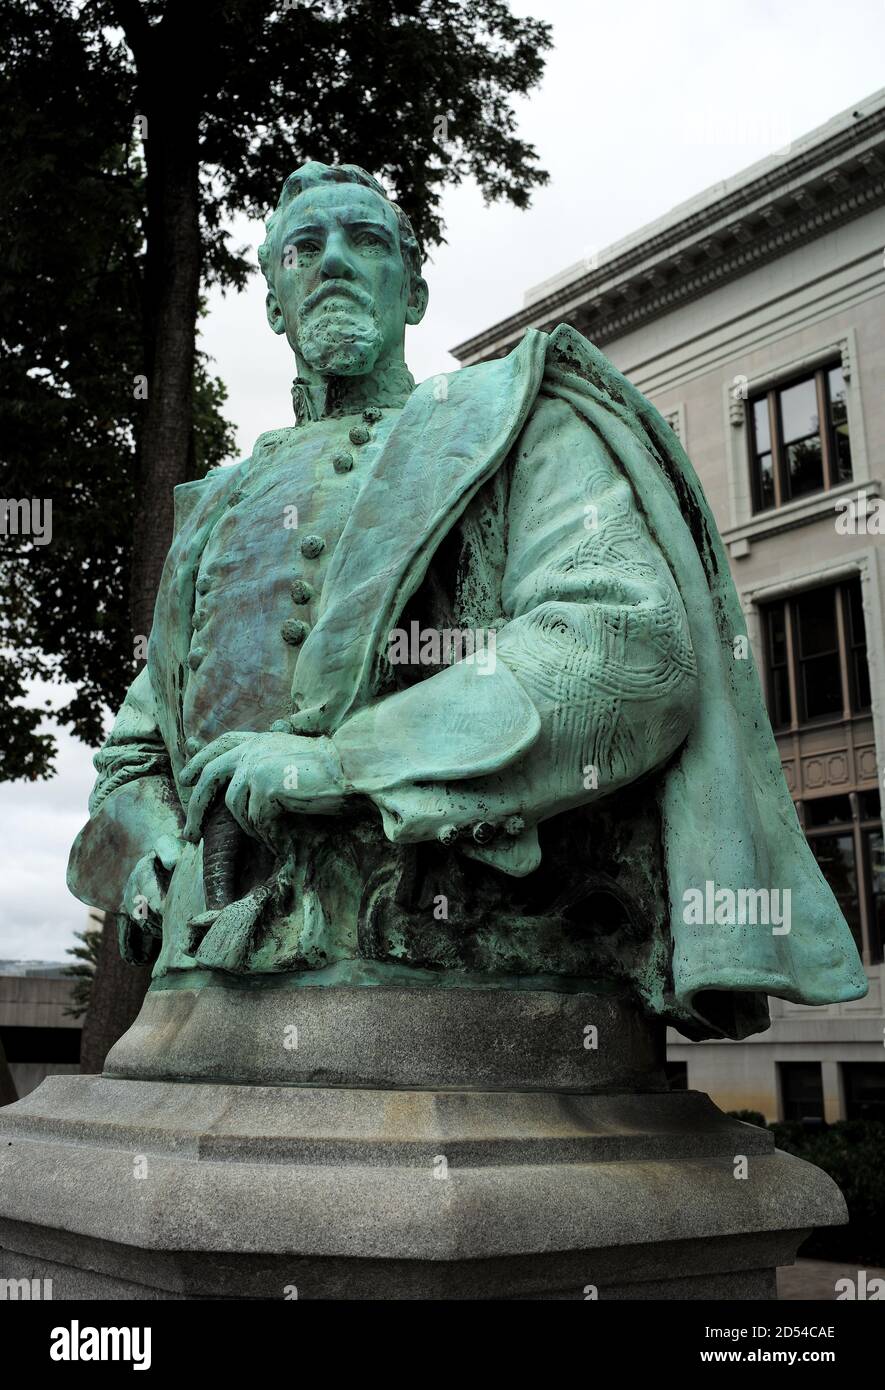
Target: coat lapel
point(453, 434)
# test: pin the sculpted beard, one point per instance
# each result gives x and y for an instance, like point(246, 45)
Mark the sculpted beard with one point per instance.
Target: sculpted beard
point(338, 331)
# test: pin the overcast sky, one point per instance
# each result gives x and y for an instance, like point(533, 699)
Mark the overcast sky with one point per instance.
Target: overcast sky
point(643, 105)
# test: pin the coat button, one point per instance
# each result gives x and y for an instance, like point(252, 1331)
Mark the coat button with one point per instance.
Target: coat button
point(484, 832)
point(371, 415)
point(343, 462)
point(294, 631)
point(196, 657)
point(200, 618)
point(301, 591)
point(359, 435)
point(312, 546)
point(204, 584)
point(514, 825)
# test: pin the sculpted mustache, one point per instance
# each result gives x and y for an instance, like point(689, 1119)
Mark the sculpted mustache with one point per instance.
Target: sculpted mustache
point(340, 288)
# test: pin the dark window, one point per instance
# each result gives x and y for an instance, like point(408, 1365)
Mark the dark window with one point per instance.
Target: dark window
point(816, 656)
point(677, 1076)
point(802, 1090)
point(859, 671)
point(864, 1084)
point(778, 673)
point(799, 438)
point(816, 673)
point(818, 660)
point(827, 810)
point(41, 1044)
point(845, 834)
point(763, 474)
point(836, 856)
point(874, 855)
point(840, 457)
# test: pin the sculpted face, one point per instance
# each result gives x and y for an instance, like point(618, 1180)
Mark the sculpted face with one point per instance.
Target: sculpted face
point(342, 292)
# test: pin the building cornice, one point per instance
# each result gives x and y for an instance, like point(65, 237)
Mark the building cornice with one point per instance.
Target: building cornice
point(788, 202)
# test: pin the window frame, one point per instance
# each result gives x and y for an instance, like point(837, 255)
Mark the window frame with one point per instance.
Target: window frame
point(863, 564)
point(771, 396)
point(863, 887)
point(847, 655)
point(856, 825)
point(749, 373)
point(859, 827)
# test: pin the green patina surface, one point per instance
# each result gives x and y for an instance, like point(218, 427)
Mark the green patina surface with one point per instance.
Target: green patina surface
point(302, 789)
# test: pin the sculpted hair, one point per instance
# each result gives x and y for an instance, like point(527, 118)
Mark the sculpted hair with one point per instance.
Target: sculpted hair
point(311, 174)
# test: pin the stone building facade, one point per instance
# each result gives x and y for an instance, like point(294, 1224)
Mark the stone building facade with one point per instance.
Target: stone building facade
point(753, 316)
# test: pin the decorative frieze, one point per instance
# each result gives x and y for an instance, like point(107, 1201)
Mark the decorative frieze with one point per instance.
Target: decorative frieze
point(733, 235)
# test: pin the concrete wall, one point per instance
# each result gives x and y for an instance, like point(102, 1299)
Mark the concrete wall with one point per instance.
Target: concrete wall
point(743, 1075)
point(36, 1002)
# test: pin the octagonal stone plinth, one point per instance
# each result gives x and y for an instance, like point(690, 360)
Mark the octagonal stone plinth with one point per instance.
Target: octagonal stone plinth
point(348, 1171)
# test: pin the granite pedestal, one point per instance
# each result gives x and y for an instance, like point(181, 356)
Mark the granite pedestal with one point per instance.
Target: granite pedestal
point(387, 1143)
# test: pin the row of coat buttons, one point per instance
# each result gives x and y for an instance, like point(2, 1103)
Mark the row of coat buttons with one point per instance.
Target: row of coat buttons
point(198, 654)
point(293, 630)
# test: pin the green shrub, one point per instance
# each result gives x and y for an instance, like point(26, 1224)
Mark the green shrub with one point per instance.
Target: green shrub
point(749, 1117)
point(853, 1153)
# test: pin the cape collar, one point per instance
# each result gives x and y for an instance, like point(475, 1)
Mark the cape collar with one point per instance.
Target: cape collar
point(342, 395)
point(453, 434)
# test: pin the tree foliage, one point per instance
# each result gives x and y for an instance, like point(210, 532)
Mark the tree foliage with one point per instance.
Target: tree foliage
point(71, 352)
point(83, 972)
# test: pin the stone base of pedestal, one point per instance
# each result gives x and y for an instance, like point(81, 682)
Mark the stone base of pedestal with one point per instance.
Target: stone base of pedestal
point(123, 1188)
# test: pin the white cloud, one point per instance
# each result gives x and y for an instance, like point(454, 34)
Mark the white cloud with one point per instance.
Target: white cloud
point(38, 823)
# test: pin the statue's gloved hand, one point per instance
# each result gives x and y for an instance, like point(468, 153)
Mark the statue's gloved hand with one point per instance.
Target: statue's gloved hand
point(141, 918)
point(268, 777)
point(146, 887)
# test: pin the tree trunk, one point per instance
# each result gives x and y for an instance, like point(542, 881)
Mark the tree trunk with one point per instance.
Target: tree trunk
point(172, 283)
point(115, 999)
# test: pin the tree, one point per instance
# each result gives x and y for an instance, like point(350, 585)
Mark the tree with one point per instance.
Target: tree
point(190, 124)
point(72, 335)
point(83, 973)
point(231, 105)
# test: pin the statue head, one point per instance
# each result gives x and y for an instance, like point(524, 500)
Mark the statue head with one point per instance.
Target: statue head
point(343, 270)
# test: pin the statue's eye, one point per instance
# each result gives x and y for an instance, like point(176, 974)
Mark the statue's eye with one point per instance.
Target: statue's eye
point(307, 248)
point(369, 241)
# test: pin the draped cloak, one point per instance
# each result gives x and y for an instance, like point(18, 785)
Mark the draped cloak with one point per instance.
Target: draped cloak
point(726, 815)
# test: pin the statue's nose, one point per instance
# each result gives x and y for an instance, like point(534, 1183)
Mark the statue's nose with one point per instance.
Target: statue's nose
point(336, 264)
